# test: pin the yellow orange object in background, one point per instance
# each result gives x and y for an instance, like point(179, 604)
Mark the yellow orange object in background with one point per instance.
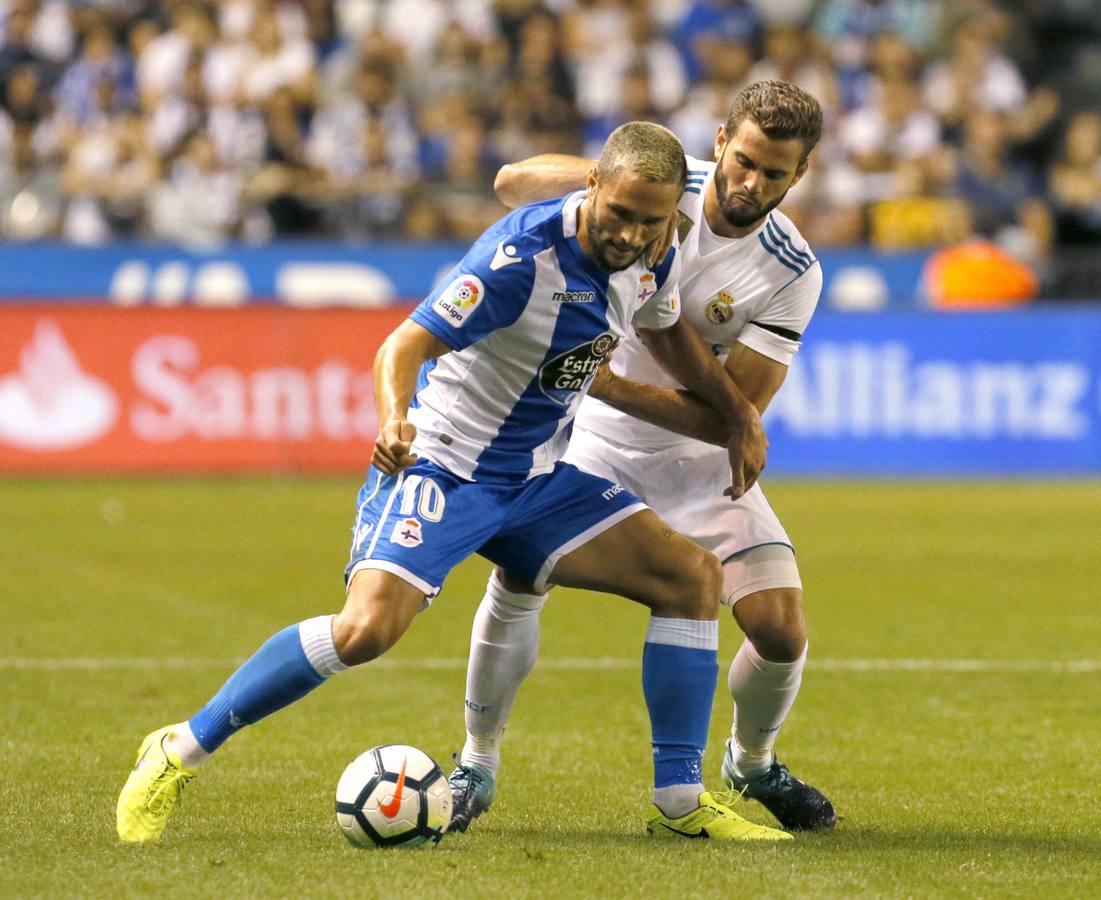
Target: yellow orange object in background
point(977, 275)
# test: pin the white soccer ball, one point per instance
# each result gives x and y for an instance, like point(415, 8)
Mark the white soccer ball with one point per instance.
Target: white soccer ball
point(393, 796)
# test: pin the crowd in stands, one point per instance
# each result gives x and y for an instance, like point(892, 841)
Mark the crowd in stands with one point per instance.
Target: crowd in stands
point(251, 119)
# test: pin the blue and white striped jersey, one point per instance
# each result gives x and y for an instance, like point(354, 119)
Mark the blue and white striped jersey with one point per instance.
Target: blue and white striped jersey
point(529, 319)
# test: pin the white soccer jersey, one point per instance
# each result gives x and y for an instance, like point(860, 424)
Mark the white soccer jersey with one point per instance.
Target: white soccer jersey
point(529, 318)
point(759, 290)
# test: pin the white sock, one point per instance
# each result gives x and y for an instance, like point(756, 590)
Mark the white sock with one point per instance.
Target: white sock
point(504, 642)
point(678, 799)
point(190, 751)
point(316, 635)
point(763, 694)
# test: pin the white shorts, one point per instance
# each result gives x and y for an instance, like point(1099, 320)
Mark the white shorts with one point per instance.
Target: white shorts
point(684, 485)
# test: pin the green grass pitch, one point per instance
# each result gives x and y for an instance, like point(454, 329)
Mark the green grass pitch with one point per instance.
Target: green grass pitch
point(951, 708)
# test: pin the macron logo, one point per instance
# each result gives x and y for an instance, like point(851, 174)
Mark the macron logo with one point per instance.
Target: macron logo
point(505, 256)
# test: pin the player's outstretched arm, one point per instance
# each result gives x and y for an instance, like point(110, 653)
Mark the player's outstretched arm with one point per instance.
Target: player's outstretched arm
point(541, 177)
point(680, 352)
point(397, 365)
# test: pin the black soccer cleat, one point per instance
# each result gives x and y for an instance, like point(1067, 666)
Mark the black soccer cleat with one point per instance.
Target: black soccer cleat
point(795, 804)
point(472, 790)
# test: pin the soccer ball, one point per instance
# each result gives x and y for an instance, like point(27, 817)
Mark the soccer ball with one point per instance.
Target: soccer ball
point(393, 796)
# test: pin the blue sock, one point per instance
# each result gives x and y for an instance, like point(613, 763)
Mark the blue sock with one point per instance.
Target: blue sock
point(680, 667)
point(273, 677)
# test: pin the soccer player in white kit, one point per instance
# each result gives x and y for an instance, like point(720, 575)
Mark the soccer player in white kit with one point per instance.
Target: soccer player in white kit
point(749, 285)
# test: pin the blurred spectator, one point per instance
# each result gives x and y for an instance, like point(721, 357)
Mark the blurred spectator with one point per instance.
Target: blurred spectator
point(629, 46)
point(199, 202)
point(1002, 194)
point(286, 185)
point(1075, 182)
point(30, 189)
point(18, 50)
point(850, 28)
point(109, 173)
point(975, 76)
point(709, 27)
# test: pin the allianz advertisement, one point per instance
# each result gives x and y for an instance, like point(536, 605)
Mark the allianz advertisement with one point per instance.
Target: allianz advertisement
point(943, 395)
point(269, 389)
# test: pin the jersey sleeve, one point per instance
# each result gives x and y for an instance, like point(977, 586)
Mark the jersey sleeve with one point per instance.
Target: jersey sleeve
point(659, 294)
point(777, 331)
point(487, 290)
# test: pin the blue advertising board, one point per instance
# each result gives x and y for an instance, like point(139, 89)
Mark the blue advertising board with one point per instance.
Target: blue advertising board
point(313, 274)
point(949, 394)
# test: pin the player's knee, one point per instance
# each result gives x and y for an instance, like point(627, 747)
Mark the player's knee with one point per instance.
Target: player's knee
point(698, 587)
point(360, 637)
point(775, 624)
point(365, 629)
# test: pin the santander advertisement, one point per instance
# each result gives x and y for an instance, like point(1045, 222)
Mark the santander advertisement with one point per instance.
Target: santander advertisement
point(100, 389)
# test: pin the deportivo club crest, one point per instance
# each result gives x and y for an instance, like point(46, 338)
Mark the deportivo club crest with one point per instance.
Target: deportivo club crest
point(720, 308)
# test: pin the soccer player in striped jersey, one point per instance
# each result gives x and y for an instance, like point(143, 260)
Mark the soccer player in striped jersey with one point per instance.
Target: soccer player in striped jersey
point(476, 394)
point(749, 284)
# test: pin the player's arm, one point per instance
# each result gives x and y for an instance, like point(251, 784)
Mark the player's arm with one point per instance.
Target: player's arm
point(541, 178)
point(680, 352)
point(682, 412)
point(397, 365)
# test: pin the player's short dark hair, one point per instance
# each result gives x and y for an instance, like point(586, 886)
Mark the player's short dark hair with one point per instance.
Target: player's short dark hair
point(781, 110)
point(650, 151)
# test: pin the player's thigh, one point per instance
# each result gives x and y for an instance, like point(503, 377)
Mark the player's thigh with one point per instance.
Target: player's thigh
point(378, 610)
point(643, 559)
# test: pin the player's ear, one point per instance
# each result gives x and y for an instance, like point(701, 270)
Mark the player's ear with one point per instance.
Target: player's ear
point(800, 171)
point(720, 141)
point(590, 183)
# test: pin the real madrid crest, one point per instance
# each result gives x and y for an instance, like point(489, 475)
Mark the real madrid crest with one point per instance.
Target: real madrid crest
point(720, 308)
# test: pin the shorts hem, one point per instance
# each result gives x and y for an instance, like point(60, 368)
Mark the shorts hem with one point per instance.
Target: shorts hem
point(401, 572)
point(579, 540)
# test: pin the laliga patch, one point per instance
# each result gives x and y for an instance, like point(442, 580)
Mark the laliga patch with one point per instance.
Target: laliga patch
point(407, 533)
point(562, 377)
point(460, 299)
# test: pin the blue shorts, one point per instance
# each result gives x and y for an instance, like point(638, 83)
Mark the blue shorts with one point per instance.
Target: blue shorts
point(421, 523)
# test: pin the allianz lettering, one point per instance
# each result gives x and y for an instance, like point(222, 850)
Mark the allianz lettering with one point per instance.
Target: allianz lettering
point(878, 390)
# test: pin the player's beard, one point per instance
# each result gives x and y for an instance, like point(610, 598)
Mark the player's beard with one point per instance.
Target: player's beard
point(745, 214)
point(599, 248)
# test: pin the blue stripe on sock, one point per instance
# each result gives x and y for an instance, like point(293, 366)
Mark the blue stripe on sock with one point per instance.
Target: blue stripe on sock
point(274, 676)
point(679, 685)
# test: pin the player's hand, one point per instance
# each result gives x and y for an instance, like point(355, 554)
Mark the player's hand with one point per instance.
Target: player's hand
point(747, 450)
point(660, 245)
point(393, 447)
point(605, 381)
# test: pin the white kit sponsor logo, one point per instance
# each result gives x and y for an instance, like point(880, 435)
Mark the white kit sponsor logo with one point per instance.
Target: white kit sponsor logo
point(49, 403)
point(407, 533)
point(459, 299)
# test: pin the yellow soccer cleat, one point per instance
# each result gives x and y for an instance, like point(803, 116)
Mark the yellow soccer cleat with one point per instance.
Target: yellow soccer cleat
point(152, 790)
point(713, 820)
